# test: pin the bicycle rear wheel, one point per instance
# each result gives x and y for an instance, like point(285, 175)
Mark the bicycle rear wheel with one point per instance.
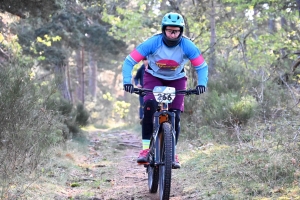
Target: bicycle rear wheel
point(165, 169)
point(152, 170)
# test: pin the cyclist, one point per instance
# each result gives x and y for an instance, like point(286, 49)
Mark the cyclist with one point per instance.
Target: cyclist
point(138, 81)
point(167, 53)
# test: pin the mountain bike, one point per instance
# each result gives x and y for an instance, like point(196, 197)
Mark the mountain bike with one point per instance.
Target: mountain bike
point(162, 143)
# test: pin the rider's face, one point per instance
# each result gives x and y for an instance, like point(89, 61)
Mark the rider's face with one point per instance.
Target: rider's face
point(172, 32)
point(145, 62)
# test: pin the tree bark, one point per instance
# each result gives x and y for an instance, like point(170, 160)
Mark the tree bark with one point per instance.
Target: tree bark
point(61, 81)
point(80, 75)
point(92, 76)
point(68, 81)
point(213, 36)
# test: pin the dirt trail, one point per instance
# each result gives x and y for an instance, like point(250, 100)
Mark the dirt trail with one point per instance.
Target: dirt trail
point(111, 158)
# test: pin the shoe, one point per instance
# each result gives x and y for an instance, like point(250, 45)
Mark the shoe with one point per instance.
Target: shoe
point(176, 164)
point(141, 121)
point(143, 157)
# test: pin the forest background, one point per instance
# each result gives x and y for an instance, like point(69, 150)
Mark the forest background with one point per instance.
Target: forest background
point(61, 63)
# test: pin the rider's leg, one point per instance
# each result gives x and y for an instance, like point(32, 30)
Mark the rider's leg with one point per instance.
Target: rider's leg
point(149, 108)
point(141, 109)
point(147, 127)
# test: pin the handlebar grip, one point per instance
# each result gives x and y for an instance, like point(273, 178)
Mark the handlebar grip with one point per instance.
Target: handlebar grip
point(187, 92)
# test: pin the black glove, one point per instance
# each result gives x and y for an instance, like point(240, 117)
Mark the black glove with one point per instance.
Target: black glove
point(200, 89)
point(128, 88)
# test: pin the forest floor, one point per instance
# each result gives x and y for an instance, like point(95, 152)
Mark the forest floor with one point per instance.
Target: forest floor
point(101, 167)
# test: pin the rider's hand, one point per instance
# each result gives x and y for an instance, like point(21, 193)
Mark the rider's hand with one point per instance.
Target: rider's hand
point(200, 89)
point(128, 88)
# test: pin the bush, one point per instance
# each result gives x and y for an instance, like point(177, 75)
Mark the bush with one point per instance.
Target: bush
point(228, 109)
point(27, 129)
point(271, 97)
point(82, 115)
point(74, 118)
point(243, 110)
point(230, 79)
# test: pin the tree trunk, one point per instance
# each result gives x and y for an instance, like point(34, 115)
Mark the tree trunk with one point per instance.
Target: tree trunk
point(163, 5)
point(212, 61)
point(92, 76)
point(80, 76)
point(61, 81)
point(68, 81)
point(271, 23)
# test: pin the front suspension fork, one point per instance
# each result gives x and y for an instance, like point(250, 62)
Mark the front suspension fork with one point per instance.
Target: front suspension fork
point(157, 122)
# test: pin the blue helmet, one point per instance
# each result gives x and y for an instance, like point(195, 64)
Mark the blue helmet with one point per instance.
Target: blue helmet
point(172, 19)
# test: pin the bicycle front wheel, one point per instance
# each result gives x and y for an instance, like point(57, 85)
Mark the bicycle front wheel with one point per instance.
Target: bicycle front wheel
point(152, 170)
point(165, 169)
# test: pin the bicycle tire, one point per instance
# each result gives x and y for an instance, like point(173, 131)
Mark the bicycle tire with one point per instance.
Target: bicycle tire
point(152, 170)
point(165, 170)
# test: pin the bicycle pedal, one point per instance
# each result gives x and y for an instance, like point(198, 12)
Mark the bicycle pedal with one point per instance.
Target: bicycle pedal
point(145, 163)
point(174, 166)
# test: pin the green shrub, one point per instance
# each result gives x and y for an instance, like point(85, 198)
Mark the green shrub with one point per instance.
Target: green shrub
point(64, 107)
point(232, 78)
point(82, 115)
point(73, 117)
point(27, 128)
point(228, 109)
point(271, 98)
point(243, 109)
point(121, 108)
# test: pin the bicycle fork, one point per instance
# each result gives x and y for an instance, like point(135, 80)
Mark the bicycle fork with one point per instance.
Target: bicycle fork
point(161, 117)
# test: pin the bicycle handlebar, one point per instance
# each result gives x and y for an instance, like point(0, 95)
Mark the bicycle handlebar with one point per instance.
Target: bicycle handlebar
point(144, 91)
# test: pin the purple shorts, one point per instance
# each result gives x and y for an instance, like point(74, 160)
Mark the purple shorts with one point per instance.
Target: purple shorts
point(179, 84)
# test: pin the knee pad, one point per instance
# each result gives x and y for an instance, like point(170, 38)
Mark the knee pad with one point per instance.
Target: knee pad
point(150, 107)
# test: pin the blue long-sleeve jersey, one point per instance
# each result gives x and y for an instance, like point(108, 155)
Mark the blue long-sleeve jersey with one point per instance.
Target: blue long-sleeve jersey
point(166, 62)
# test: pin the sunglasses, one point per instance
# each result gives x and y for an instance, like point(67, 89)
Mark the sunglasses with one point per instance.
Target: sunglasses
point(170, 31)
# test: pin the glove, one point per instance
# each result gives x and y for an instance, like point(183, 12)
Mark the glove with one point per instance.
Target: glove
point(200, 89)
point(128, 88)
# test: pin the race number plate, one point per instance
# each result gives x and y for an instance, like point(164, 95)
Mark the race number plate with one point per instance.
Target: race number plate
point(164, 94)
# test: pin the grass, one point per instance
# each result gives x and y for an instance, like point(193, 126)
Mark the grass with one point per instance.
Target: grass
point(262, 168)
point(263, 164)
point(261, 161)
point(69, 171)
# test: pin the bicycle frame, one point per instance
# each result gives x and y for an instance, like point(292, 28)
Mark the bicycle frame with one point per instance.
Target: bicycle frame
point(162, 143)
point(161, 117)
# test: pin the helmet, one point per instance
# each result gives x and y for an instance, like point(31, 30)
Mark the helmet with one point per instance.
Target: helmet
point(172, 19)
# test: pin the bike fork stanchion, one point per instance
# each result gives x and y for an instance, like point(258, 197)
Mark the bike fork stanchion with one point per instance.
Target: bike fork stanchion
point(172, 120)
point(157, 137)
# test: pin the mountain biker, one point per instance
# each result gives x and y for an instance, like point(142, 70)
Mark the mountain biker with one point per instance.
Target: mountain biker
point(167, 53)
point(139, 82)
